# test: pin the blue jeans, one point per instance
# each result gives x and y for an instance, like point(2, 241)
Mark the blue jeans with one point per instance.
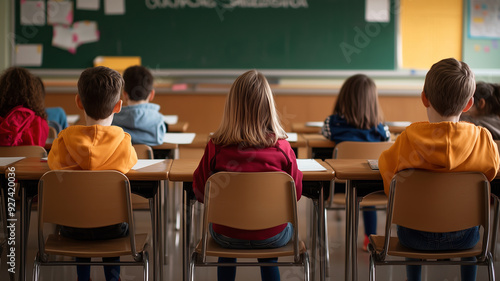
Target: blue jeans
point(459, 240)
point(267, 273)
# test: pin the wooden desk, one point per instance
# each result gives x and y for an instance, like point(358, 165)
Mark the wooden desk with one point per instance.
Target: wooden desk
point(302, 128)
point(145, 182)
point(315, 184)
point(179, 127)
point(318, 141)
point(355, 172)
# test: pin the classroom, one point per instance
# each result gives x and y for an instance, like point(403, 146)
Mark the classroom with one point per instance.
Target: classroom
point(196, 50)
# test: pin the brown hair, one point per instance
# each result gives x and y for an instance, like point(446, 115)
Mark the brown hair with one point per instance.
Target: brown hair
point(358, 102)
point(448, 86)
point(491, 95)
point(99, 89)
point(250, 117)
point(19, 87)
point(138, 82)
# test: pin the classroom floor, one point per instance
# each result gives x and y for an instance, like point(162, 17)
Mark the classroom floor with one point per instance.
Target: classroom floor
point(173, 265)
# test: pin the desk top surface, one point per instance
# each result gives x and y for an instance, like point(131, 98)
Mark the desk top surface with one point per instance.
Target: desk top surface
point(33, 168)
point(183, 169)
point(353, 169)
point(303, 128)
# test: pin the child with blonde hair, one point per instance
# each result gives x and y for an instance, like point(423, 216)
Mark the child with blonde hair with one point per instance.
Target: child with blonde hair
point(250, 138)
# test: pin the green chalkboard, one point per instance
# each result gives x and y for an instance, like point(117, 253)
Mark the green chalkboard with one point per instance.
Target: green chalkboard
point(327, 34)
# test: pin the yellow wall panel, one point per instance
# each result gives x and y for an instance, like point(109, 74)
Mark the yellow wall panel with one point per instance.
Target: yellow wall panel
point(431, 30)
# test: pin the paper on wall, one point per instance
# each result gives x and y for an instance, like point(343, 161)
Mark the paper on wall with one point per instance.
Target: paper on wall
point(63, 38)
point(88, 4)
point(85, 32)
point(377, 11)
point(114, 7)
point(60, 12)
point(32, 13)
point(29, 54)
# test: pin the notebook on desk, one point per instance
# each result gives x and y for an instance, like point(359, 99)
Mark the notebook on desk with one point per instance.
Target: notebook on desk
point(373, 163)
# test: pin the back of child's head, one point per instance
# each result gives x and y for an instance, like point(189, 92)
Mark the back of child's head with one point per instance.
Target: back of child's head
point(358, 102)
point(491, 95)
point(250, 117)
point(448, 86)
point(99, 89)
point(19, 87)
point(138, 82)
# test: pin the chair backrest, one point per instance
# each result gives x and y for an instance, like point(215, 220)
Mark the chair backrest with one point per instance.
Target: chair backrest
point(84, 199)
point(250, 201)
point(439, 202)
point(52, 133)
point(360, 150)
point(23, 151)
point(143, 151)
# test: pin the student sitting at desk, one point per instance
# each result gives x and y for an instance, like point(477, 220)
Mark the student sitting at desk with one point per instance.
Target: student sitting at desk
point(23, 120)
point(250, 138)
point(140, 118)
point(96, 146)
point(444, 145)
point(486, 109)
point(357, 117)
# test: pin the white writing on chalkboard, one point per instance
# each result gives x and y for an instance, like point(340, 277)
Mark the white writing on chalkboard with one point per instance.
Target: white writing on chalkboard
point(162, 4)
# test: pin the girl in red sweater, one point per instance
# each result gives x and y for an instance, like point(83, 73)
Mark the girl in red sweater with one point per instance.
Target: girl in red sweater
point(250, 138)
point(22, 111)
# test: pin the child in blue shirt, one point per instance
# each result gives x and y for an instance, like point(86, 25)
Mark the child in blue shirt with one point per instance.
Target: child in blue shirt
point(357, 117)
point(140, 118)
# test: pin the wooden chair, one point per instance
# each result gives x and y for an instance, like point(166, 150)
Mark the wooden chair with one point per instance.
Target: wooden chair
point(250, 201)
point(359, 150)
point(86, 199)
point(143, 152)
point(23, 151)
point(435, 202)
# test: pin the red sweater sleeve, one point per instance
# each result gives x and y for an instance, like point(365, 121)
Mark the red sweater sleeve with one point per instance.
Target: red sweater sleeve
point(202, 173)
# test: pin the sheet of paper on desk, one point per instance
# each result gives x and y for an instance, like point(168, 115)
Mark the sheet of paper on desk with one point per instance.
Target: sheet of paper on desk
point(309, 165)
point(373, 163)
point(292, 137)
point(314, 124)
point(72, 118)
point(142, 163)
point(170, 119)
point(4, 161)
point(179, 138)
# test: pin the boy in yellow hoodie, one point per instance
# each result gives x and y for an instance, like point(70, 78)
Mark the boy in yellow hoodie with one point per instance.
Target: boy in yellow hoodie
point(96, 146)
point(444, 145)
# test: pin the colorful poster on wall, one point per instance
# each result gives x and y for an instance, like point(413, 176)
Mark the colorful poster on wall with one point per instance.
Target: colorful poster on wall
point(484, 18)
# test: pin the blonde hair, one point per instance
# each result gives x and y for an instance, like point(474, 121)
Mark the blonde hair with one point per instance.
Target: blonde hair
point(448, 86)
point(250, 117)
point(358, 102)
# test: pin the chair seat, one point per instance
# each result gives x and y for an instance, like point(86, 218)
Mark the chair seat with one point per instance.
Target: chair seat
point(372, 199)
point(59, 245)
point(139, 202)
point(214, 249)
point(396, 249)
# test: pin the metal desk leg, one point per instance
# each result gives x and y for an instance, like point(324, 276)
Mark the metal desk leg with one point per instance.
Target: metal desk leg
point(314, 244)
point(152, 208)
point(157, 238)
point(350, 198)
point(186, 233)
point(322, 250)
point(25, 225)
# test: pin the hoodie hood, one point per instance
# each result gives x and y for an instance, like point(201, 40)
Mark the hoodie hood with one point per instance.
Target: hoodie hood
point(92, 148)
point(22, 126)
point(441, 147)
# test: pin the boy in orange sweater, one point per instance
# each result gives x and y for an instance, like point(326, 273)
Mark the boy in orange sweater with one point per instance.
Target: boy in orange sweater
point(444, 145)
point(96, 146)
